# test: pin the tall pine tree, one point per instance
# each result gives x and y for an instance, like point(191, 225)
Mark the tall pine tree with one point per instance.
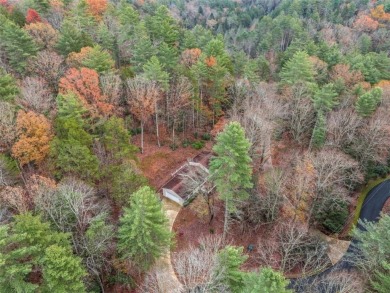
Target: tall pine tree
point(230, 260)
point(8, 87)
point(231, 170)
point(16, 43)
point(297, 69)
point(367, 103)
point(143, 235)
point(71, 39)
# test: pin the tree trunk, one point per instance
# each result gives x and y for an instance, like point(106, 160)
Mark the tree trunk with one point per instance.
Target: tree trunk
point(157, 132)
point(225, 224)
point(211, 209)
point(142, 137)
point(173, 131)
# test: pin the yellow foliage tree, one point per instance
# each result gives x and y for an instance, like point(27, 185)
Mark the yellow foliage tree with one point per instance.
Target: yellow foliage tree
point(34, 135)
point(380, 14)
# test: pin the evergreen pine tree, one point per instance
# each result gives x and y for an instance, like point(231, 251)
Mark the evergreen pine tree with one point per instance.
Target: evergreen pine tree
point(118, 168)
point(373, 244)
point(324, 98)
point(381, 279)
point(367, 103)
point(71, 39)
point(62, 271)
point(71, 148)
point(16, 43)
point(143, 49)
point(98, 59)
point(143, 235)
point(231, 170)
point(153, 70)
point(230, 260)
point(319, 131)
point(23, 247)
point(297, 69)
point(168, 56)
point(8, 87)
point(13, 271)
point(162, 27)
point(266, 281)
point(105, 37)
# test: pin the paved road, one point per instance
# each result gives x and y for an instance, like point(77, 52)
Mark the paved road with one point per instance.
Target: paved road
point(372, 206)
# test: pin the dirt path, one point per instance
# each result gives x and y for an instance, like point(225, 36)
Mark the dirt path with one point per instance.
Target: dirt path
point(168, 281)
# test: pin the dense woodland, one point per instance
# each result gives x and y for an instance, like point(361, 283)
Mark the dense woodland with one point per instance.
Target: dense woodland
point(291, 96)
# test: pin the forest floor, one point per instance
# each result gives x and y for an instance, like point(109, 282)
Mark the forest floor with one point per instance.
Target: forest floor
point(190, 229)
point(158, 163)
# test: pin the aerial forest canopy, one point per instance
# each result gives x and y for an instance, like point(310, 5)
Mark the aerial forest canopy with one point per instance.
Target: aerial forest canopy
point(264, 119)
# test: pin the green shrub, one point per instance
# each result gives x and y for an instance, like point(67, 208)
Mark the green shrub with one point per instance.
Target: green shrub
point(332, 214)
point(135, 131)
point(206, 136)
point(173, 146)
point(185, 143)
point(197, 144)
point(375, 170)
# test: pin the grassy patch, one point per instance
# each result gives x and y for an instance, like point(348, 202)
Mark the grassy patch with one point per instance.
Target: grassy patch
point(362, 197)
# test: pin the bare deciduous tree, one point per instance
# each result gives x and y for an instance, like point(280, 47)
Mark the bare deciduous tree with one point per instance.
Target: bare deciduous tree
point(302, 188)
point(197, 266)
point(36, 95)
point(300, 248)
point(7, 125)
point(177, 99)
point(291, 248)
point(373, 140)
point(342, 128)
point(259, 111)
point(111, 88)
point(73, 207)
point(301, 116)
point(334, 168)
point(263, 207)
point(50, 66)
point(14, 198)
point(142, 97)
point(337, 281)
point(336, 174)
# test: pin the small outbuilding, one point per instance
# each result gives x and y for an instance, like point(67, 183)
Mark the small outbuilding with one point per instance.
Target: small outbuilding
point(195, 170)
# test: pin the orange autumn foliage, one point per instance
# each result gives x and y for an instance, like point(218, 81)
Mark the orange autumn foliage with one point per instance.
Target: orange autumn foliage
point(211, 61)
point(75, 59)
point(384, 84)
point(365, 23)
point(34, 135)
point(97, 7)
point(343, 71)
point(190, 56)
point(379, 13)
point(84, 82)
